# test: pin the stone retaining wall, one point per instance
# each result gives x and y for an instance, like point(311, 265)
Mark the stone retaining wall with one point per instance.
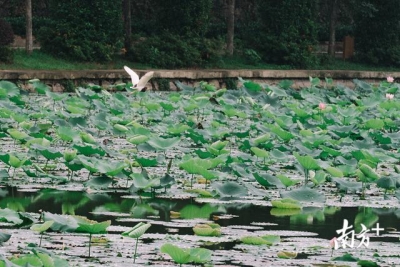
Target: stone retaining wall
point(59, 79)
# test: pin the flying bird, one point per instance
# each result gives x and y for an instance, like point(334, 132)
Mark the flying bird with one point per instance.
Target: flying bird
point(137, 84)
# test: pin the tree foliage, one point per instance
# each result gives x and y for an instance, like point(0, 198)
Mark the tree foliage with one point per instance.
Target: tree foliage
point(6, 33)
point(6, 38)
point(84, 30)
point(191, 33)
point(289, 31)
point(377, 38)
point(188, 18)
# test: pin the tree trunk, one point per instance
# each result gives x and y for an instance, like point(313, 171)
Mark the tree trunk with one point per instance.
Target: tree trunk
point(230, 26)
point(332, 28)
point(126, 5)
point(29, 40)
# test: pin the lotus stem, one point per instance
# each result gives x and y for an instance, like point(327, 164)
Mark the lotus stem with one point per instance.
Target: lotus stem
point(90, 241)
point(40, 242)
point(134, 255)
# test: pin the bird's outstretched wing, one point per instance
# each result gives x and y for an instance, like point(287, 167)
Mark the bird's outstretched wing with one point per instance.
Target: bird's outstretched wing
point(143, 81)
point(134, 76)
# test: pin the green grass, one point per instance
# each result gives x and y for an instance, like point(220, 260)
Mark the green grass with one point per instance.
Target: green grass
point(42, 61)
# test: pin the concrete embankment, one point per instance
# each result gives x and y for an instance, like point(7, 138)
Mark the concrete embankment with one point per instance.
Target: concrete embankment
point(60, 79)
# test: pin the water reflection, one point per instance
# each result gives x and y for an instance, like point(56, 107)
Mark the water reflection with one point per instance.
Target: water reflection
point(323, 221)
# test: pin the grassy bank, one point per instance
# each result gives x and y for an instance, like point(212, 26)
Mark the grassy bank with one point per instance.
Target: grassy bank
point(41, 61)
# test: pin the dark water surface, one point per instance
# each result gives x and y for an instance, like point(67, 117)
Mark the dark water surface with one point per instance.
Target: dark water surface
point(322, 221)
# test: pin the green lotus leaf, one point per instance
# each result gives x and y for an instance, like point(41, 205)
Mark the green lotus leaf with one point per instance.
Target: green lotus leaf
point(153, 106)
point(254, 240)
point(252, 86)
point(308, 162)
point(46, 259)
point(42, 227)
point(347, 186)
point(219, 145)
point(167, 106)
point(195, 166)
point(141, 182)
point(16, 162)
point(99, 182)
point(91, 227)
point(277, 91)
point(88, 138)
point(8, 89)
point(48, 152)
point(261, 139)
point(375, 124)
point(63, 223)
point(345, 257)
point(40, 87)
point(367, 263)
point(137, 139)
point(230, 189)
point(261, 153)
point(286, 203)
point(272, 239)
point(138, 230)
point(179, 255)
point(89, 150)
point(304, 194)
point(191, 211)
point(286, 181)
point(178, 129)
point(386, 183)
point(365, 217)
point(201, 192)
point(334, 172)
point(287, 254)
point(369, 172)
point(18, 135)
point(163, 143)
point(267, 180)
point(9, 215)
point(67, 134)
point(284, 212)
point(27, 260)
point(284, 135)
point(200, 255)
point(145, 162)
point(4, 237)
point(278, 155)
point(121, 128)
point(206, 230)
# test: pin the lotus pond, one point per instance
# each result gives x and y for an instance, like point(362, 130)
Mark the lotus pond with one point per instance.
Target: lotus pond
point(263, 175)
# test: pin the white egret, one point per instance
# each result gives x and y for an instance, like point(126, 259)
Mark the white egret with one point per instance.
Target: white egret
point(137, 84)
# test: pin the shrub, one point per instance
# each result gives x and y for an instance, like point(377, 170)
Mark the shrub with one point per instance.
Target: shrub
point(6, 54)
point(83, 30)
point(377, 38)
point(6, 33)
point(19, 24)
point(172, 51)
point(6, 38)
point(189, 17)
point(289, 31)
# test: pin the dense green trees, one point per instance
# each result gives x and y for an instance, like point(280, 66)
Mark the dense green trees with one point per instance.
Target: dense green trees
point(290, 31)
point(88, 30)
point(6, 38)
point(196, 33)
point(377, 32)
